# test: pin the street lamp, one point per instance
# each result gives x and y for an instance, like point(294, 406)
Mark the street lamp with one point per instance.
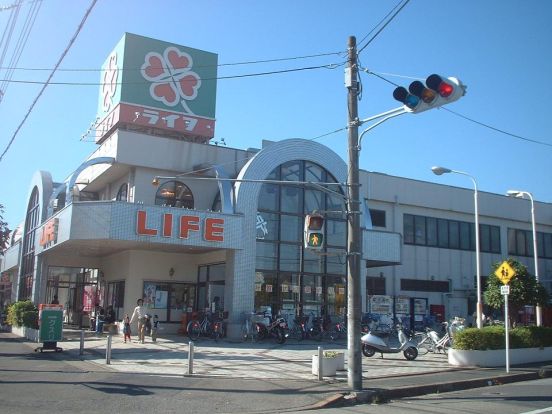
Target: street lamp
point(441, 171)
point(521, 194)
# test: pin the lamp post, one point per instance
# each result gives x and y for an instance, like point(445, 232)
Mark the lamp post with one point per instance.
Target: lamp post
point(521, 194)
point(443, 170)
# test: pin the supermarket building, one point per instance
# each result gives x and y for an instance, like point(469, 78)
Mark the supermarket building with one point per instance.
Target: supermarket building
point(159, 212)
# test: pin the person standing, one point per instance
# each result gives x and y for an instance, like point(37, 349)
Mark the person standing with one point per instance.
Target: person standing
point(126, 327)
point(55, 301)
point(140, 314)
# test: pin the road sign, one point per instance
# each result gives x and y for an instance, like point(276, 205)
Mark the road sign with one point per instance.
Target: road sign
point(505, 272)
point(505, 290)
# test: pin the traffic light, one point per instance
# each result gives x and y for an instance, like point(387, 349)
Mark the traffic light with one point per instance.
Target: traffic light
point(436, 92)
point(314, 232)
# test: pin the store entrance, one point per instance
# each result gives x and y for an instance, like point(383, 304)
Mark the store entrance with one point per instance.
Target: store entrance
point(77, 291)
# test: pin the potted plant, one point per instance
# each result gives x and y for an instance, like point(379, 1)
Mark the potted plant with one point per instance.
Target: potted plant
point(332, 361)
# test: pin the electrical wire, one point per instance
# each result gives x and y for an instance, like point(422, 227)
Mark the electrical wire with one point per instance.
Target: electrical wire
point(384, 25)
point(79, 28)
point(246, 75)
point(468, 118)
point(251, 62)
point(21, 42)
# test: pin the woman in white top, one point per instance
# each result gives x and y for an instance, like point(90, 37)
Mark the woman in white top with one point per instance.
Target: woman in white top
point(140, 313)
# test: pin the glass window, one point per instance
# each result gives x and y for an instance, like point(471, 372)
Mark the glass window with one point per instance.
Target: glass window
point(485, 237)
point(312, 292)
point(431, 228)
point(313, 262)
point(290, 228)
point(269, 197)
point(548, 245)
point(314, 200)
point(511, 241)
point(408, 228)
point(267, 255)
point(290, 288)
point(266, 290)
point(442, 226)
point(336, 287)
point(520, 243)
point(267, 226)
point(419, 230)
point(174, 194)
point(122, 194)
point(454, 234)
point(495, 239)
point(290, 257)
point(336, 233)
point(336, 261)
point(377, 217)
point(465, 238)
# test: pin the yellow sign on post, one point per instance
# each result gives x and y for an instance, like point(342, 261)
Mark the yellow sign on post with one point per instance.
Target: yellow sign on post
point(505, 272)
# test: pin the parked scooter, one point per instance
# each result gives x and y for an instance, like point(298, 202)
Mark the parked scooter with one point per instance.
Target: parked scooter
point(374, 342)
point(271, 328)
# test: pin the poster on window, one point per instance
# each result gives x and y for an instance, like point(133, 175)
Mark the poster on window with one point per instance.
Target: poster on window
point(295, 288)
point(285, 288)
point(161, 299)
point(402, 305)
point(307, 289)
point(268, 288)
point(89, 295)
point(258, 287)
point(381, 304)
point(149, 294)
point(318, 290)
point(341, 290)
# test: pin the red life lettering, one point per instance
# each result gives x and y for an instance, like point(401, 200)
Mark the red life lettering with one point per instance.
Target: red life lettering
point(141, 225)
point(187, 224)
point(167, 225)
point(214, 229)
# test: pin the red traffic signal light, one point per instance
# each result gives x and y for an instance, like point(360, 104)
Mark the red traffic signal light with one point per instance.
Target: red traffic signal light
point(314, 222)
point(436, 92)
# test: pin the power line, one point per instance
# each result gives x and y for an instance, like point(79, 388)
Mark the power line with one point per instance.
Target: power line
point(79, 28)
point(246, 75)
point(468, 118)
point(384, 26)
point(250, 62)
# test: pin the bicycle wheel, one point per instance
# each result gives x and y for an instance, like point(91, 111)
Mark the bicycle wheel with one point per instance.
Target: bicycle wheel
point(424, 347)
point(194, 330)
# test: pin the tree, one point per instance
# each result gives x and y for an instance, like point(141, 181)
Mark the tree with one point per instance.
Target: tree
point(4, 231)
point(524, 289)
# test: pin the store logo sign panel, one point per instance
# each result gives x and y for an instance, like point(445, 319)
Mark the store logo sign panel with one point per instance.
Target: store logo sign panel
point(158, 84)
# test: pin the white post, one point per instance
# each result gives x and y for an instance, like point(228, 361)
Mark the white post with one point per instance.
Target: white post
point(190, 358)
point(538, 309)
point(507, 325)
point(108, 349)
point(320, 356)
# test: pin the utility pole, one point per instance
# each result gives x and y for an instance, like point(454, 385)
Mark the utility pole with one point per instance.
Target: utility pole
point(354, 248)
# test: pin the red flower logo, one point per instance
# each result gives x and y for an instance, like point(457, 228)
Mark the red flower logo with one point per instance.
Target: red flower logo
point(172, 80)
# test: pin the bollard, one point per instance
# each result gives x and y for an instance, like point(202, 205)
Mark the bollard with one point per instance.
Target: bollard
point(320, 356)
point(108, 349)
point(81, 349)
point(190, 358)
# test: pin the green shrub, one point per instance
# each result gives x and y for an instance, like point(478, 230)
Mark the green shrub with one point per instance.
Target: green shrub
point(23, 313)
point(494, 337)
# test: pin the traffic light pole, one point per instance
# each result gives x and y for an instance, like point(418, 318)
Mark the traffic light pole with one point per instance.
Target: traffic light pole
point(354, 373)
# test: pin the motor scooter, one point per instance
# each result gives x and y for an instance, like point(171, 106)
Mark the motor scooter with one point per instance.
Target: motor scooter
point(268, 327)
point(374, 342)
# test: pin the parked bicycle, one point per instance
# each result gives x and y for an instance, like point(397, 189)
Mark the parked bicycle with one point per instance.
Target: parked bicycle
point(208, 327)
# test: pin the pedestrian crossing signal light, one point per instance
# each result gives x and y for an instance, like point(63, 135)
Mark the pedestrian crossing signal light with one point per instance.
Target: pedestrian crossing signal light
point(437, 91)
point(314, 232)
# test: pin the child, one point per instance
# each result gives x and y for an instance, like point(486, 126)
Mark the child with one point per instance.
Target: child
point(126, 327)
point(154, 328)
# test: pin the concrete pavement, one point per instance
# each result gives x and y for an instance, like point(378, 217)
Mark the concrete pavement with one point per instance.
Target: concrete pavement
point(285, 370)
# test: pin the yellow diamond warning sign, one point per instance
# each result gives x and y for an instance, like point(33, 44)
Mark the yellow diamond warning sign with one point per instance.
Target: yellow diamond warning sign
point(505, 272)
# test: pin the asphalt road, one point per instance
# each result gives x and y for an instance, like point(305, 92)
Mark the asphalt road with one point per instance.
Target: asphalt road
point(530, 397)
point(33, 382)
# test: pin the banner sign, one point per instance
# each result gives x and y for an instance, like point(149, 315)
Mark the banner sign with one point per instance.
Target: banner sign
point(155, 84)
point(50, 323)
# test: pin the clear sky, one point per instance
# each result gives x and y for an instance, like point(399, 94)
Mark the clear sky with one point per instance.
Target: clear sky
point(501, 49)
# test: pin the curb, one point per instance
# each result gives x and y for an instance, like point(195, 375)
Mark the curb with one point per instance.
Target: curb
point(379, 396)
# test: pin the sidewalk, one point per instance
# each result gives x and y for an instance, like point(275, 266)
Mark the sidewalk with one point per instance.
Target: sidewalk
point(286, 369)
point(390, 377)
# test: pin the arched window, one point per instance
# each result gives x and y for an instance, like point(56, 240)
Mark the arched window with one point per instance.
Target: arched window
point(122, 194)
point(174, 194)
point(32, 221)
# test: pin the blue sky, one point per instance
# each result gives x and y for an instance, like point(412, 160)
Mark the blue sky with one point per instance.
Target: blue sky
point(499, 48)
